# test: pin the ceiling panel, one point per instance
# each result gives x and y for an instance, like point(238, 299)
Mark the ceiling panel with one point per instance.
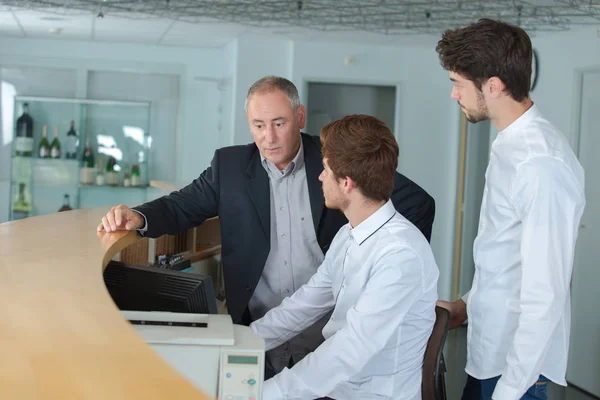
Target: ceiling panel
point(44, 24)
point(148, 31)
point(204, 34)
point(8, 25)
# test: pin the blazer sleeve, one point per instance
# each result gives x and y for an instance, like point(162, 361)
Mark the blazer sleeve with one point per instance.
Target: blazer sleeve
point(186, 208)
point(414, 203)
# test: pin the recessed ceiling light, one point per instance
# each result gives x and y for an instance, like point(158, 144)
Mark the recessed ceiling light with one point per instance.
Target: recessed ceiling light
point(55, 31)
point(52, 18)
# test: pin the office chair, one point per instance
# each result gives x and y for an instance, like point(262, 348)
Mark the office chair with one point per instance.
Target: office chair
point(433, 386)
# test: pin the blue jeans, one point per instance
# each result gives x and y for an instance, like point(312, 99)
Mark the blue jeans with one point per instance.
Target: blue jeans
point(476, 389)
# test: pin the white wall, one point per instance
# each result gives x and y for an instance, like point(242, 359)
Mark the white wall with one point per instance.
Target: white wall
point(427, 121)
point(560, 55)
point(257, 56)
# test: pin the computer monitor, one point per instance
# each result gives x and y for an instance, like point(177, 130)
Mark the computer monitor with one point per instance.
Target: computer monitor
point(142, 288)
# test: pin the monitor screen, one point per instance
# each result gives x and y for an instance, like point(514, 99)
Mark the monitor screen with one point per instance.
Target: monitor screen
point(143, 288)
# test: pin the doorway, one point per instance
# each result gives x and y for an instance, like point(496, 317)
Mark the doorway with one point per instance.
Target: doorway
point(328, 102)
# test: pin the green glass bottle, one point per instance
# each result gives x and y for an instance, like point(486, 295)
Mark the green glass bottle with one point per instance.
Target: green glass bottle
point(55, 146)
point(44, 148)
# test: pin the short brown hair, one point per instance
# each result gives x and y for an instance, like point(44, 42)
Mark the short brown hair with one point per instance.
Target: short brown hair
point(363, 148)
point(489, 48)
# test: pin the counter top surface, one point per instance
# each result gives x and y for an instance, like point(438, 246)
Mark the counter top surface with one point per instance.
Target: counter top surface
point(61, 336)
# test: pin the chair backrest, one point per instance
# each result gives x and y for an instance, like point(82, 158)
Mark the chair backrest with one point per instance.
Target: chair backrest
point(433, 385)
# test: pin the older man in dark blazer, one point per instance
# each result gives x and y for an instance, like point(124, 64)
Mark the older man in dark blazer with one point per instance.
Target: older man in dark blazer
point(275, 227)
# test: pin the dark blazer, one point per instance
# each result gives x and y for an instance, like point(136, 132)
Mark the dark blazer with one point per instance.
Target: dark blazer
point(236, 188)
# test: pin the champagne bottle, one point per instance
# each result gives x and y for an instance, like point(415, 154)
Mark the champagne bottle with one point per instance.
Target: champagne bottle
point(66, 206)
point(44, 149)
point(21, 208)
point(55, 146)
point(72, 142)
point(24, 134)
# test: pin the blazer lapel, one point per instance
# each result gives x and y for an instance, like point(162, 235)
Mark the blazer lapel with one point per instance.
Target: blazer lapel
point(313, 164)
point(259, 191)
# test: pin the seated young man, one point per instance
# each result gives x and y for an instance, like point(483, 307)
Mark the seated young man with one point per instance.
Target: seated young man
point(379, 277)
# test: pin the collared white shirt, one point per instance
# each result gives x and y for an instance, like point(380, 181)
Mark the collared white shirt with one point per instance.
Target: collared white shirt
point(380, 279)
point(519, 304)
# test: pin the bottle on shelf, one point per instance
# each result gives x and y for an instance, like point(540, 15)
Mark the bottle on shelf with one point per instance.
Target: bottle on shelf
point(126, 178)
point(111, 174)
point(72, 142)
point(44, 148)
point(21, 208)
point(66, 206)
point(100, 172)
point(55, 146)
point(24, 134)
point(86, 175)
point(135, 175)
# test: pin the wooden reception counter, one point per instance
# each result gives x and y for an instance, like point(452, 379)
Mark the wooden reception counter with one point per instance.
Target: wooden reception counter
point(61, 336)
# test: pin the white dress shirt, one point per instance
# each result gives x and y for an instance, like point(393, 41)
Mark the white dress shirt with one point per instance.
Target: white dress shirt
point(380, 279)
point(519, 304)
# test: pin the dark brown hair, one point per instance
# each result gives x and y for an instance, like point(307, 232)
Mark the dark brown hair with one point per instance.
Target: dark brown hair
point(489, 48)
point(363, 148)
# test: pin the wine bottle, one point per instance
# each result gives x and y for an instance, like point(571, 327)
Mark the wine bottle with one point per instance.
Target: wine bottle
point(86, 173)
point(66, 206)
point(111, 174)
point(72, 142)
point(24, 134)
point(135, 175)
point(44, 149)
point(100, 174)
point(88, 156)
point(21, 208)
point(55, 146)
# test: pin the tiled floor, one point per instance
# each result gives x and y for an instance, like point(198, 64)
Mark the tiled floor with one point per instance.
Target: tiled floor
point(455, 353)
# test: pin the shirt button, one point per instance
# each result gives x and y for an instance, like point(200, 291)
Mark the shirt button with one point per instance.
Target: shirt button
point(281, 208)
point(285, 263)
point(287, 291)
point(283, 235)
point(302, 219)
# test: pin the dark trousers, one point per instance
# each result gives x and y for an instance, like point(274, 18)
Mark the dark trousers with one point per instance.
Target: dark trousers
point(477, 389)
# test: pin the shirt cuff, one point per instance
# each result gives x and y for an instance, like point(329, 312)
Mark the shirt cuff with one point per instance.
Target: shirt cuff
point(465, 297)
point(145, 228)
point(505, 392)
point(271, 390)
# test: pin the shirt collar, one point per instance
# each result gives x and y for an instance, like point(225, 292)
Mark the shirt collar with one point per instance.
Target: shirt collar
point(294, 165)
point(532, 113)
point(372, 224)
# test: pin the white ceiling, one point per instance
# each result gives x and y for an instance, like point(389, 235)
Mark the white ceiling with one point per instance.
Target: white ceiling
point(213, 26)
point(165, 32)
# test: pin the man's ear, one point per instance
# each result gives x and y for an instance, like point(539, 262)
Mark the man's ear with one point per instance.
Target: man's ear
point(495, 87)
point(301, 113)
point(349, 184)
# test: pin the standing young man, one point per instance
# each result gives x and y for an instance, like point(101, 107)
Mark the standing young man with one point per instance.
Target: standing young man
point(519, 305)
point(379, 277)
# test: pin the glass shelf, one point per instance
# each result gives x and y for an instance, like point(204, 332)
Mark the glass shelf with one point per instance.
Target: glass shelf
point(114, 130)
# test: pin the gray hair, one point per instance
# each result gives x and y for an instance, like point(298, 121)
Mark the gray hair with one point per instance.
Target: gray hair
point(270, 83)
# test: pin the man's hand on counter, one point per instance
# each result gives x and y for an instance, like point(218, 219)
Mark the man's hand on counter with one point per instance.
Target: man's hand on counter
point(121, 218)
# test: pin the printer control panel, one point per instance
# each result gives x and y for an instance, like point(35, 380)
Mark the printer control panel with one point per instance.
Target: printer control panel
point(240, 374)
